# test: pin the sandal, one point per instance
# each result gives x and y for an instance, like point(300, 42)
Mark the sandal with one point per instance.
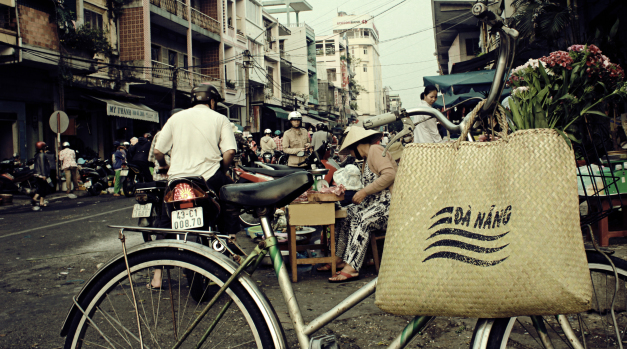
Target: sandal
point(348, 277)
point(327, 267)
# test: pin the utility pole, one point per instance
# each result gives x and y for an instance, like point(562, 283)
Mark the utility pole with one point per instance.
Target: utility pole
point(174, 77)
point(247, 66)
point(348, 70)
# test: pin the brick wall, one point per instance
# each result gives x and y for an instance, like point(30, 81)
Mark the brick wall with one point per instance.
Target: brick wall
point(38, 28)
point(209, 59)
point(132, 34)
point(210, 8)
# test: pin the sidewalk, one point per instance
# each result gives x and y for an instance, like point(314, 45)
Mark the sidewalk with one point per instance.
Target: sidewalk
point(23, 200)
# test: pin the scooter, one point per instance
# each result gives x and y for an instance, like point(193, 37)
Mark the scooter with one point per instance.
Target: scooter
point(94, 176)
point(133, 175)
point(15, 178)
point(183, 203)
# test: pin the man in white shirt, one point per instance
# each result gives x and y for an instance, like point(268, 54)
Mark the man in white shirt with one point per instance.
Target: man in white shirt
point(201, 142)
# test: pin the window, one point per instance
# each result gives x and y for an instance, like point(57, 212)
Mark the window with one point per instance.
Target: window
point(365, 68)
point(253, 12)
point(185, 63)
point(331, 76)
point(270, 78)
point(172, 58)
point(365, 50)
point(366, 33)
point(155, 53)
point(330, 48)
point(196, 63)
point(319, 50)
point(93, 19)
point(472, 47)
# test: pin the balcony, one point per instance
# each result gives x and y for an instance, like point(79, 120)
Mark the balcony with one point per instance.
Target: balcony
point(204, 21)
point(186, 79)
point(287, 99)
point(286, 56)
point(175, 7)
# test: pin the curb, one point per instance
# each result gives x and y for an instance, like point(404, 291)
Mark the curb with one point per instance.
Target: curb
point(23, 200)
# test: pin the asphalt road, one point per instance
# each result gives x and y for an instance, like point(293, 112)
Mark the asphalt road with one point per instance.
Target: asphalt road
point(48, 255)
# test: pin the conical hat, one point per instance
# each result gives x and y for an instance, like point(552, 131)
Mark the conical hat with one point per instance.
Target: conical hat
point(356, 134)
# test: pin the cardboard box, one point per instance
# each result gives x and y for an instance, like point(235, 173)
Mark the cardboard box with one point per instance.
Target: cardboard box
point(319, 197)
point(311, 213)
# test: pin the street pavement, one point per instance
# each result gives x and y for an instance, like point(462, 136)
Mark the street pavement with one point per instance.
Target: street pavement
point(48, 255)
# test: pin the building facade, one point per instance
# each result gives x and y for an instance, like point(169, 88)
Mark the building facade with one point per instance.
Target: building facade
point(363, 47)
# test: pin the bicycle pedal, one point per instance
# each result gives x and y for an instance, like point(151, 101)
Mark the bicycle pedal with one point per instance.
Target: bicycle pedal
point(327, 341)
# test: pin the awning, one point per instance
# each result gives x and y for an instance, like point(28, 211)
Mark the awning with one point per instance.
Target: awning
point(310, 120)
point(475, 63)
point(279, 112)
point(462, 83)
point(129, 110)
point(451, 100)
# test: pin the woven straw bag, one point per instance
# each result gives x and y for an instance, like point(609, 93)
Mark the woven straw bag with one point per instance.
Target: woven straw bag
point(485, 230)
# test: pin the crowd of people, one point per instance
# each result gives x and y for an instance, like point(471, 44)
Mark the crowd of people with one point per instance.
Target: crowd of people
point(208, 149)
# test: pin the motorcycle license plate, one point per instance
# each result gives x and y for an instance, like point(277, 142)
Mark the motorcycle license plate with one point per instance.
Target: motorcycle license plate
point(141, 211)
point(187, 219)
point(124, 173)
point(87, 184)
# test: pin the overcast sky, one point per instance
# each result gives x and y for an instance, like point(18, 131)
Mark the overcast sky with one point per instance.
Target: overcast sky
point(408, 17)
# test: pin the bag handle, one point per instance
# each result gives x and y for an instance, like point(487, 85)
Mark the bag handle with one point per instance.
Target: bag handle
point(500, 118)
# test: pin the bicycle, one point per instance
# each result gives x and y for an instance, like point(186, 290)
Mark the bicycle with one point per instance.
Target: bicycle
point(114, 309)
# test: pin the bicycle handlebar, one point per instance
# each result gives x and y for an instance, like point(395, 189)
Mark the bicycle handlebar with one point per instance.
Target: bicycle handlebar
point(507, 46)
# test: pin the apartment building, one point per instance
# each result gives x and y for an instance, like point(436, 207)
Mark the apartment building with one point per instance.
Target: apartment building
point(363, 46)
point(332, 67)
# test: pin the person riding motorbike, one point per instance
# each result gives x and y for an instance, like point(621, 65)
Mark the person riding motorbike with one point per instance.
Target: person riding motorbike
point(295, 140)
point(321, 135)
point(200, 141)
point(267, 143)
point(277, 140)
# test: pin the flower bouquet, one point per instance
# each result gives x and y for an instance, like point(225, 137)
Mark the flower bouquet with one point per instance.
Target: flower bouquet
point(555, 91)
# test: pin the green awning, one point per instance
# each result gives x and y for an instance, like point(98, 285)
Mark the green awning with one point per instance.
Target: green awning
point(280, 112)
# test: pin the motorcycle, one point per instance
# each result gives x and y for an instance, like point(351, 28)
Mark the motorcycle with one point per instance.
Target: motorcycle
point(17, 178)
point(133, 175)
point(94, 176)
point(183, 203)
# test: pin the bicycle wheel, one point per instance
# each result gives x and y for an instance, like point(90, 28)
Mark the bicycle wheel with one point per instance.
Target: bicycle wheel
point(596, 325)
point(165, 313)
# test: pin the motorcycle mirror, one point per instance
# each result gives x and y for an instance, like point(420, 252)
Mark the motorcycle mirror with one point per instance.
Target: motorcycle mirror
point(300, 153)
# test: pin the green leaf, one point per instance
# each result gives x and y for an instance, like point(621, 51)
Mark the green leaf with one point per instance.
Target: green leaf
point(516, 117)
point(596, 112)
point(565, 137)
point(614, 30)
point(539, 116)
point(544, 74)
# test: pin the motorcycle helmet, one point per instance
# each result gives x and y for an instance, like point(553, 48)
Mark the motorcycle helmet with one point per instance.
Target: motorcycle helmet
point(80, 161)
point(294, 116)
point(116, 144)
point(202, 94)
point(126, 144)
point(66, 145)
point(267, 131)
point(40, 145)
point(277, 132)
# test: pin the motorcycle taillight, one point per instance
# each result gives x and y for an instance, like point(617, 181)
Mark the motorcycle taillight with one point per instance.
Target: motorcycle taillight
point(184, 192)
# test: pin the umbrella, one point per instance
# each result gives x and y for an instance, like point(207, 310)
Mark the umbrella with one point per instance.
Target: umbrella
point(462, 83)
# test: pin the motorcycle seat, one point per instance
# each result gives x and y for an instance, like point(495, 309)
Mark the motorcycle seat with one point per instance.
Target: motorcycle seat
point(278, 192)
point(272, 173)
point(280, 167)
point(151, 185)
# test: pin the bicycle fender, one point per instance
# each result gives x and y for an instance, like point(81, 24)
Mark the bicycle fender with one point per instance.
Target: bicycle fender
point(218, 258)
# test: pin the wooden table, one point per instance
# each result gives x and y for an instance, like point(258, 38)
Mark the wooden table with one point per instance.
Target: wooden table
point(603, 232)
point(311, 214)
